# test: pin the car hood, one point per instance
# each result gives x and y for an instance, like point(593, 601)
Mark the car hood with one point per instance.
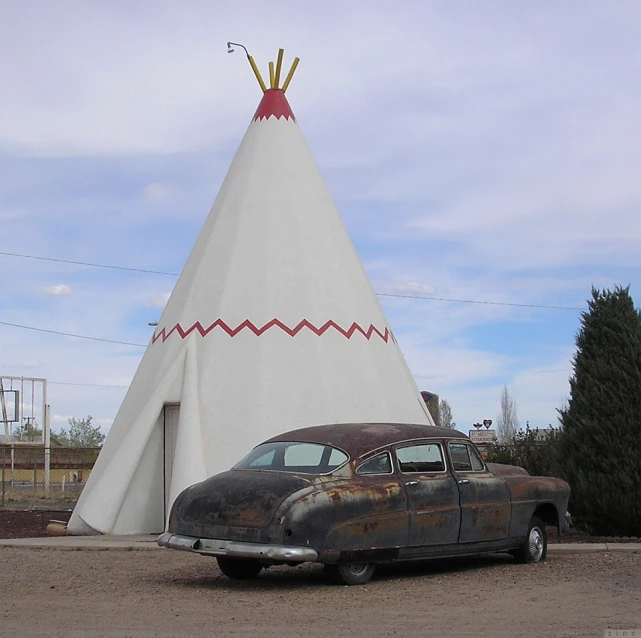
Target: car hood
point(238, 498)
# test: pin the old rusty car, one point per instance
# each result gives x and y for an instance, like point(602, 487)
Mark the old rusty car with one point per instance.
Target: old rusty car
point(354, 495)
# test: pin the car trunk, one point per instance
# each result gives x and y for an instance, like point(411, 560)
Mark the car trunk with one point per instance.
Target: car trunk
point(235, 499)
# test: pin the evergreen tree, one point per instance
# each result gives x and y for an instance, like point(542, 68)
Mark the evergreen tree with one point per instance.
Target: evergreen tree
point(600, 441)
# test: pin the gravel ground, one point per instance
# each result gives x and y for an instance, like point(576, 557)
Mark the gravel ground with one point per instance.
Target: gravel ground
point(167, 593)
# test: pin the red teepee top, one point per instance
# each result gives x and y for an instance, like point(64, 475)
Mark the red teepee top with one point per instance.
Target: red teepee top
point(274, 103)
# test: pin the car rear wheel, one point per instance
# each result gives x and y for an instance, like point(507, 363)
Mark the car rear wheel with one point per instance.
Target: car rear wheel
point(535, 547)
point(352, 573)
point(239, 567)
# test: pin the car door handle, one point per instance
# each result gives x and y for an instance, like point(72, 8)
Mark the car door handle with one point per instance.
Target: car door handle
point(463, 481)
point(411, 483)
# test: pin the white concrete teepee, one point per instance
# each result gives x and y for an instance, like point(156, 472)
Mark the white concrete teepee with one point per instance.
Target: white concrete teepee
point(272, 325)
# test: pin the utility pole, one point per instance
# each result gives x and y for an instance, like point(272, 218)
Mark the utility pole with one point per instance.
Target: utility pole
point(28, 427)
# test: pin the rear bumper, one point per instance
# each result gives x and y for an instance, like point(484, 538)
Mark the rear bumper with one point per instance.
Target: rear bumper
point(235, 549)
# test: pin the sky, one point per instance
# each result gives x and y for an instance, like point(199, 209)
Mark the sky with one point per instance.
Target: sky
point(482, 152)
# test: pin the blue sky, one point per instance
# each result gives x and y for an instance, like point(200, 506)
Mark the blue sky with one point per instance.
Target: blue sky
point(485, 151)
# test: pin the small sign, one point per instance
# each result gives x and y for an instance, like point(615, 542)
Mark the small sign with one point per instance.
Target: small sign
point(483, 436)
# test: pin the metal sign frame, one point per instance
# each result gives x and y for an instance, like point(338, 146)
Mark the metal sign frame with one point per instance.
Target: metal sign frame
point(5, 417)
point(37, 410)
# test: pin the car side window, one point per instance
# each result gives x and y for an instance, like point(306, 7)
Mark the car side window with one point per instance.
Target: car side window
point(380, 464)
point(425, 457)
point(464, 458)
point(477, 462)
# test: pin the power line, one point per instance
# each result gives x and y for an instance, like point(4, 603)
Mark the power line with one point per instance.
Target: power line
point(379, 294)
point(70, 334)
point(88, 385)
point(489, 303)
point(86, 263)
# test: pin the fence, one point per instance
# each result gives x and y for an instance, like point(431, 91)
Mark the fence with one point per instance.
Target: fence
point(34, 475)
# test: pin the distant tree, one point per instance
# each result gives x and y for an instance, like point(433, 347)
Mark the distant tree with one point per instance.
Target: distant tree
point(507, 422)
point(81, 434)
point(600, 438)
point(445, 415)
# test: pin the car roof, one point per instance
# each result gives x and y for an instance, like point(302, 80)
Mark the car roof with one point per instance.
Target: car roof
point(359, 438)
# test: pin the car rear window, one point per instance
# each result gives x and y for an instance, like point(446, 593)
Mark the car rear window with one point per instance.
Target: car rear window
point(302, 458)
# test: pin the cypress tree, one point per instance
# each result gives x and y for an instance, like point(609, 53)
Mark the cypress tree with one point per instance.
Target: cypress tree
point(600, 441)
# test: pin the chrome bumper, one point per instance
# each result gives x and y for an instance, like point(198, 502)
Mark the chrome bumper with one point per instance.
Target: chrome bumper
point(236, 549)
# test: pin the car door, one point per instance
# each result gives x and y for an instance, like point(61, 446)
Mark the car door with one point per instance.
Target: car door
point(432, 494)
point(378, 506)
point(485, 499)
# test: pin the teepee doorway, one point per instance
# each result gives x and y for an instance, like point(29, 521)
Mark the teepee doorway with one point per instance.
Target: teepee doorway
point(170, 434)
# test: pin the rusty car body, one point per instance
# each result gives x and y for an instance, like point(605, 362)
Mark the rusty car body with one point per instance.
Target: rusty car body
point(353, 495)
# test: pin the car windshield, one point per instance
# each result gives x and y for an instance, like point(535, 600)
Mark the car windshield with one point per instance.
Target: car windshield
point(303, 458)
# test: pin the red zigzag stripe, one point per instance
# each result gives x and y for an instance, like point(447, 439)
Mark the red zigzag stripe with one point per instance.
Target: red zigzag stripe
point(163, 335)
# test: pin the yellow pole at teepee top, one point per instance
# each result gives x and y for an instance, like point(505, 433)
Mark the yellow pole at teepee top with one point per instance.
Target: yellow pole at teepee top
point(279, 66)
point(290, 75)
point(272, 84)
point(257, 73)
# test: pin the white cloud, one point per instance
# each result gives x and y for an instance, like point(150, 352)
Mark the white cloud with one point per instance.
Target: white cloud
point(7, 216)
point(167, 86)
point(157, 191)
point(405, 288)
point(476, 163)
point(60, 289)
point(159, 300)
point(26, 365)
point(537, 391)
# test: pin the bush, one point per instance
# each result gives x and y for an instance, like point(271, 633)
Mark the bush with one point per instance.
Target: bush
point(527, 450)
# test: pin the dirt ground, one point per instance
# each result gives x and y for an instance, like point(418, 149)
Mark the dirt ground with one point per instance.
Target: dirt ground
point(29, 523)
point(144, 593)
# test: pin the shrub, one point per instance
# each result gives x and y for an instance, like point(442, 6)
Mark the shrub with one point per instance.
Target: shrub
point(539, 456)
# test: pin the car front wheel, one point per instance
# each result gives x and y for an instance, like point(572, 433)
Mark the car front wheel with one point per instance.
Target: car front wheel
point(352, 573)
point(535, 547)
point(239, 567)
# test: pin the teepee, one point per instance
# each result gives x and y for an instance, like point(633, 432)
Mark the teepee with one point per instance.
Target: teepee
point(272, 325)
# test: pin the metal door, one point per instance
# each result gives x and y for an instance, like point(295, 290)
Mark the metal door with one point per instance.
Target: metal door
point(171, 416)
